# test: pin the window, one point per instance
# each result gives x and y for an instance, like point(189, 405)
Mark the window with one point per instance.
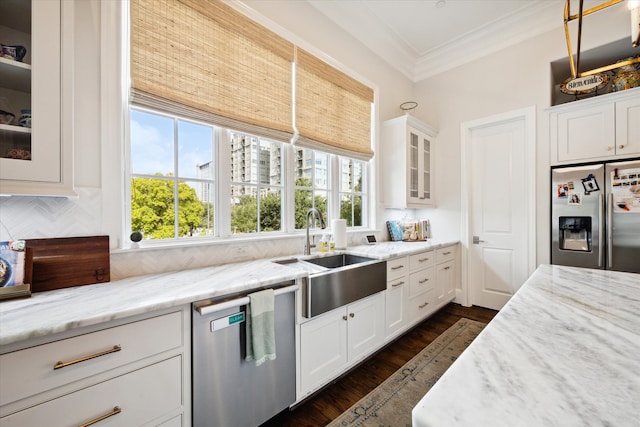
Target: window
point(256, 184)
point(352, 194)
point(172, 176)
point(312, 172)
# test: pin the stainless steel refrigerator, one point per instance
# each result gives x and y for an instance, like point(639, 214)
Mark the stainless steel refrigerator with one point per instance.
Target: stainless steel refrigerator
point(595, 215)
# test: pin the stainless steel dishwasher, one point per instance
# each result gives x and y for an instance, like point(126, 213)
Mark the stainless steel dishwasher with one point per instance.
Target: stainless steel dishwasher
point(227, 390)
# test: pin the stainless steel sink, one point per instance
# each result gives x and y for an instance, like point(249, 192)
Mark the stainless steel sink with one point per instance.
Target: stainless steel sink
point(336, 280)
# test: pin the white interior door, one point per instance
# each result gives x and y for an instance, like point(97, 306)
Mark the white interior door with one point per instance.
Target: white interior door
point(499, 189)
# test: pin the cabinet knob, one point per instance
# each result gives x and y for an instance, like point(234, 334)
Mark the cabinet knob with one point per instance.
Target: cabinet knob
point(621, 146)
point(352, 315)
point(344, 317)
point(610, 147)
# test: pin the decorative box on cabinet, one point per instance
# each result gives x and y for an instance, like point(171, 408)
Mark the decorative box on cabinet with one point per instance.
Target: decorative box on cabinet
point(407, 160)
point(128, 372)
point(42, 85)
point(334, 341)
point(603, 127)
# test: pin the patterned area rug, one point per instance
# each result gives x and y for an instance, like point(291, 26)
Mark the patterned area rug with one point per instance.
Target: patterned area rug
point(390, 404)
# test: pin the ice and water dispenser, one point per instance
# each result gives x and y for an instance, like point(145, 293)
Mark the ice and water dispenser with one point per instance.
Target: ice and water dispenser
point(575, 233)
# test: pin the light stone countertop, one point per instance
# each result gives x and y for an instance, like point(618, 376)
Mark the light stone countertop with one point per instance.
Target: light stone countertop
point(564, 351)
point(46, 313)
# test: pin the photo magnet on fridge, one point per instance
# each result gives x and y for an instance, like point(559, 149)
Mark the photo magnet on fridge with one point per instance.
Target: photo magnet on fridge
point(590, 184)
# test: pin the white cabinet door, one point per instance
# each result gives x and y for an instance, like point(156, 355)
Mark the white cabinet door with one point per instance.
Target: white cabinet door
point(395, 306)
point(45, 166)
point(407, 160)
point(628, 127)
point(445, 279)
point(323, 348)
point(586, 133)
point(365, 326)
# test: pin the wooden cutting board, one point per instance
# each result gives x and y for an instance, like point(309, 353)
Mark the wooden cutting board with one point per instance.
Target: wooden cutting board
point(69, 261)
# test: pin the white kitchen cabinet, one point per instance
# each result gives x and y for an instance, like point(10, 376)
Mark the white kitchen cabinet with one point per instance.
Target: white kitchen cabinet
point(129, 365)
point(445, 275)
point(603, 127)
point(396, 296)
point(335, 341)
point(37, 160)
point(407, 162)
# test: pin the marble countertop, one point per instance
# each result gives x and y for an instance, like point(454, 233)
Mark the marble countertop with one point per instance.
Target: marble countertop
point(51, 312)
point(564, 351)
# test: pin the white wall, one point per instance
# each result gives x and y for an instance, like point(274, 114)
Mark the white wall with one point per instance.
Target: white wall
point(514, 78)
point(92, 212)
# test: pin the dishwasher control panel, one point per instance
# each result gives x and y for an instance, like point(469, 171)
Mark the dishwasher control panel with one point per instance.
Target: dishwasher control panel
point(226, 321)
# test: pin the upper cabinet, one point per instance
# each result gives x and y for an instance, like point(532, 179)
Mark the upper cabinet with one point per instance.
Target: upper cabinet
point(604, 127)
point(35, 144)
point(407, 163)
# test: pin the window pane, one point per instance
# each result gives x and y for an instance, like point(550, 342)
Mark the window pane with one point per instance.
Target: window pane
point(153, 207)
point(244, 158)
point(270, 210)
point(195, 150)
point(151, 143)
point(244, 209)
point(357, 211)
point(304, 202)
point(321, 170)
point(273, 162)
point(304, 167)
point(195, 208)
point(346, 209)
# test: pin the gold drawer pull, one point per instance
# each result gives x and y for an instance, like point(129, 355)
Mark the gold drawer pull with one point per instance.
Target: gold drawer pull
point(423, 305)
point(397, 284)
point(397, 267)
point(423, 281)
point(116, 411)
point(446, 253)
point(447, 267)
point(59, 365)
point(423, 260)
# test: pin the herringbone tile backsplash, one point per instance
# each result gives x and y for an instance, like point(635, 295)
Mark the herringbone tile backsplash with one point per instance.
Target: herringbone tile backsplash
point(47, 217)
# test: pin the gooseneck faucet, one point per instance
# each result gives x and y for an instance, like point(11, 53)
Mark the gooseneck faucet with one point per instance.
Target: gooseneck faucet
point(310, 214)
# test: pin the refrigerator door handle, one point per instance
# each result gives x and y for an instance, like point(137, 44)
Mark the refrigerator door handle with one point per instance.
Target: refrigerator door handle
point(610, 232)
point(601, 231)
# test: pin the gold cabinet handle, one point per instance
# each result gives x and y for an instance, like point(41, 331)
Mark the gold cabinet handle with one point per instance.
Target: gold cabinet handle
point(423, 260)
point(621, 146)
point(446, 253)
point(116, 410)
point(447, 267)
point(610, 147)
point(397, 267)
point(423, 281)
point(423, 305)
point(60, 365)
point(397, 284)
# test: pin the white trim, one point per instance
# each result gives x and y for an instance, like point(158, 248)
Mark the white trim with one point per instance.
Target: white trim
point(529, 196)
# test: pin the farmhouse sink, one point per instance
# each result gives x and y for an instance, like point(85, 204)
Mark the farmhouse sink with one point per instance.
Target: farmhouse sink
point(337, 280)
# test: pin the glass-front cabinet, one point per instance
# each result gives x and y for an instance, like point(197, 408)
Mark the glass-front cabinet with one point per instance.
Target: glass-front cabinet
point(34, 157)
point(407, 163)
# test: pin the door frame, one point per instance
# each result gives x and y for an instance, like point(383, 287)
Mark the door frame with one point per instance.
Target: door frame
point(529, 192)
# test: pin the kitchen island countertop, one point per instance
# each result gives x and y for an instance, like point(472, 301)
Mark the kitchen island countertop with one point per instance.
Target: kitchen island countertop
point(61, 310)
point(562, 352)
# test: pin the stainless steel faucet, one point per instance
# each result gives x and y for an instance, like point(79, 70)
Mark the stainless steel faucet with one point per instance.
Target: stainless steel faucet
point(310, 213)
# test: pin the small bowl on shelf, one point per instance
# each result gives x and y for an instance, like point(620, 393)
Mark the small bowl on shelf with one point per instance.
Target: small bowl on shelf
point(15, 53)
point(25, 118)
point(6, 118)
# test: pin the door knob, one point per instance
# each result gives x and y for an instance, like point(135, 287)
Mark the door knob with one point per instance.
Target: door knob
point(476, 240)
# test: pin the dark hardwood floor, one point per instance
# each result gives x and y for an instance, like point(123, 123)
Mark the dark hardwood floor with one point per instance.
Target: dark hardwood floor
point(340, 395)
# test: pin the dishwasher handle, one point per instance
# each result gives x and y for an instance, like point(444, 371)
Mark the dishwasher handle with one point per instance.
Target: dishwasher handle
point(214, 307)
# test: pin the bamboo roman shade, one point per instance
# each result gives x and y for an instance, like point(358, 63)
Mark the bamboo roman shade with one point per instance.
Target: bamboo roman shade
point(332, 110)
point(203, 59)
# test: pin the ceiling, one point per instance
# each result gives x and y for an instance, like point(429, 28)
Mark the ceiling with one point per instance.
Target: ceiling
point(422, 38)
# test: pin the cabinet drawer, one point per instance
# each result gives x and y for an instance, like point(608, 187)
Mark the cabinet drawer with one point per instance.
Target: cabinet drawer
point(31, 371)
point(397, 267)
point(421, 281)
point(421, 260)
point(421, 305)
point(142, 396)
point(446, 254)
